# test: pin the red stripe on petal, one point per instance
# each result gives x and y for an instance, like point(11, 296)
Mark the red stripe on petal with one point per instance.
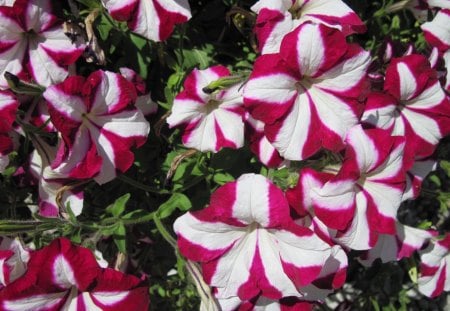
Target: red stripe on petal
point(257, 282)
point(221, 140)
point(167, 20)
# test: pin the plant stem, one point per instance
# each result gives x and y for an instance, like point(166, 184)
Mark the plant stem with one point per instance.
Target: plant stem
point(141, 186)
point(162, 229)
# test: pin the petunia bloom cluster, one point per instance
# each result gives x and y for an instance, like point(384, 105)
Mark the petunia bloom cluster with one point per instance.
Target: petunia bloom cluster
point(63, 276)
point(312, 93)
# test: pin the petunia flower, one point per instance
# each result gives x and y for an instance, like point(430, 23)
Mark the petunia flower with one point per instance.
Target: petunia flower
point(403, 244)
point(49, 183)
point(308, 95)
point(358, 202)
point(248, 245)
point(435, 268)
point(13, 260)
point(62, 276)
point(144, 100)
point(276, 18)
point(415, 175)
point(413, 105)
point(8, 109)
point(153, 19)
point(259, 144)
point(420, 8)
point(33, 42)
point(99, 125)
point(211, 121)
point(437, 33)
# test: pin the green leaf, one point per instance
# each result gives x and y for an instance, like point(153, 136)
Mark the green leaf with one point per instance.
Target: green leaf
point(120, 238)
point(193, 58)
point(413, 274)
point(445, 165)
point(138, 41)
point(117, 208)
point(76, 236)
point(436, 180)
point(176, 201)
point(375, 304)
point(72, 217)
point(222, 178)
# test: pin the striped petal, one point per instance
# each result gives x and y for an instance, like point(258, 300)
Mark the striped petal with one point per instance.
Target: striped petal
point(153, 19)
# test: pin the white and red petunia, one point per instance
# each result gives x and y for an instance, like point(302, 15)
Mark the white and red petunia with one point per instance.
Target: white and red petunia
point(144, 100)
point(435, 268)
point(413, 105)
point(415, 175)
point(249, 246)
point(437, 33)
point(99, 125)
point(153, 19)
point(403, 244)
point(63, 276)
point(259, 144)
point(276, 18)
point(32, 41)
point(421, 8)
point(8, 109)
point(13, 260)
point(211, 121)
point(308, 95)
point(362, 199)
point(49, 183)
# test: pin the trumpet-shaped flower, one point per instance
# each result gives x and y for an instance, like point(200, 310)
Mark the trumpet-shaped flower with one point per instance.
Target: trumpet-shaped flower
point(362, 200)
point(276, 18)
point(435, 268)
point(99, 125)
point(32, 40)
point(437, 33)
point(50, 182)
point(415, 175)
point(259, 144)
point(63, 276)
point(249, 245)
point(308, 94)
point(13, 260)
point(403, 244)
point(211, 121)
point(413, 105)
point(153, 19)
point(8, 108)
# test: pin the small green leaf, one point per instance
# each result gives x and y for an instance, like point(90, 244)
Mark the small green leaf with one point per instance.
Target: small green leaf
point(445, 165)
point(176, 201)
point(117, 208)
point(375, 304)
point(72, 217)
point(222, 178)
point(435, 180)
point(413, 274)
